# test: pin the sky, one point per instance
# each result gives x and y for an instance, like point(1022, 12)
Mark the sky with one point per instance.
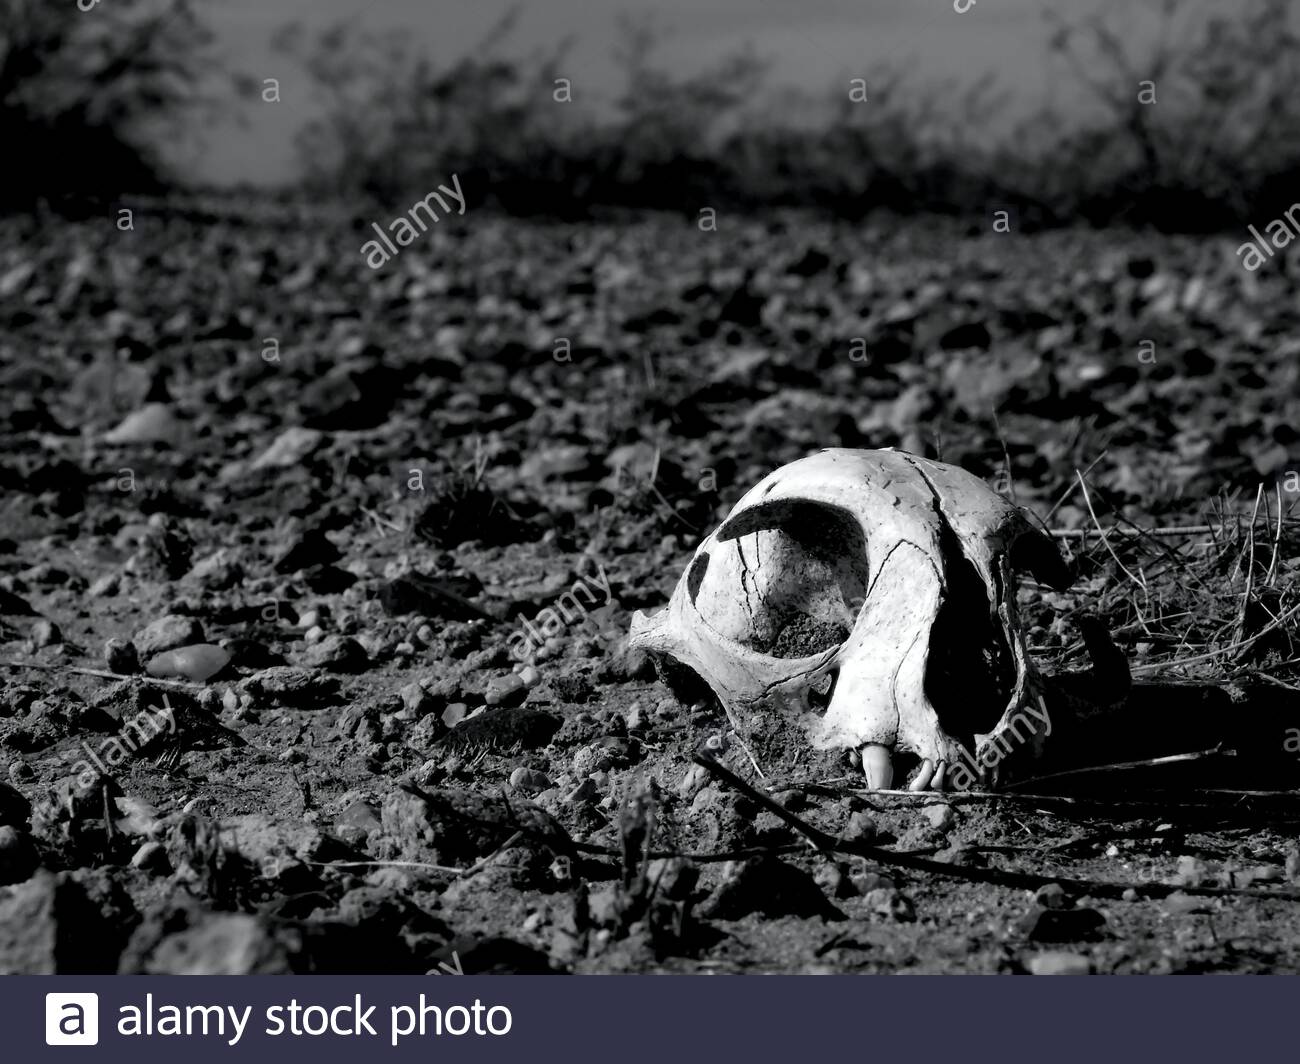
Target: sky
point(809, 44)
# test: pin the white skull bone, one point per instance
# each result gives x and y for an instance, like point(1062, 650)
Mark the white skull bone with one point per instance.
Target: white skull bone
point(889, 575)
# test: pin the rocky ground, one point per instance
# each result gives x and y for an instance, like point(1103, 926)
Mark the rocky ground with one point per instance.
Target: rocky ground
point(275, 528)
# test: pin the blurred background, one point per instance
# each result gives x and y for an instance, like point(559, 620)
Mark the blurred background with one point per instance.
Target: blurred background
point(744, 101)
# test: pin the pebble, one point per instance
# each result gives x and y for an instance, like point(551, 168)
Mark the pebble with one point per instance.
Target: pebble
point(1057, 962)
point(198, 663)
point(416, 700)
point(862, 827)
point(1051, 896)
point(106, 585)
point(941, 817)
point(46, 634)
point(289, 448)
point(891, 904)
point(674, 878)
point(1180, 904)
point(121, 657)
point(1130, 895)
point(529, 676)
point(168, 633)
point(152, 423)
point(1192, 872)
point(833, 878)
point(584, 793)
point(696, 777)
point(21, 771)
point(309, 619)
point(504, 691)
point(338, 653)
point(454, 714)
point(529, 780)
point(314, 634)
point(151, 857)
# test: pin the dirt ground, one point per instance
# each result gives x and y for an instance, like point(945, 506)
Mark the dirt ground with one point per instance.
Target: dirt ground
point(366, 489)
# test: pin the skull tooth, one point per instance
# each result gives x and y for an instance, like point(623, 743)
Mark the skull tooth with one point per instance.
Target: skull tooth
point(923, 776)
point(878, 766)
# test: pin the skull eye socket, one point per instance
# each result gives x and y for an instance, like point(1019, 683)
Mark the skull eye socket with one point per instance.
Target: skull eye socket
point(800, 569)
point(971, 669)
point(695, 576)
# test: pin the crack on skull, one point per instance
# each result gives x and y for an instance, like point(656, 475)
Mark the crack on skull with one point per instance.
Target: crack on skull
point(800, 580)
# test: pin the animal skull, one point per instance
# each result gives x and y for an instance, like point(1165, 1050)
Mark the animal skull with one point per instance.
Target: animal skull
point(890, 579)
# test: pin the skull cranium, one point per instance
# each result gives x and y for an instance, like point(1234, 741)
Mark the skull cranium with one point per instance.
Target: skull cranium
point(889, 578)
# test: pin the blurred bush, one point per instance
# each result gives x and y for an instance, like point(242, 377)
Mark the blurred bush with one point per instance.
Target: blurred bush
point(84, 95)
point(1221, 144)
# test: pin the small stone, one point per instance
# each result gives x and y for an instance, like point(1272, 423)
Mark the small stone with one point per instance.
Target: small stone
point(862, 827)
point(891, 904)
point(46, 634)
point(594, 757)
point(696, 777)
point(229, 700)
point(529, 676)
point(284, 685)
point(673, 878)
point(416, 700)
point(426, 635)
point(198, 663)
point(505, 691)
point(338, 653)
point(309, 619)
point(1181, 904)
point(530, 781)
point(106, 585)
point(454, 714)
point(941, 817)
point(121, 657)
point(219, 571)
point(1052, 896)
point(151, 857)
point(584, 793)
point(289, 448)
point(314, 634)
point(1058, 963)
point(167, 633)
point(791, 800)
point(1130, 895)
point(1192, 872)
point(833, 878)
point(21, 771)
point(705, 799)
